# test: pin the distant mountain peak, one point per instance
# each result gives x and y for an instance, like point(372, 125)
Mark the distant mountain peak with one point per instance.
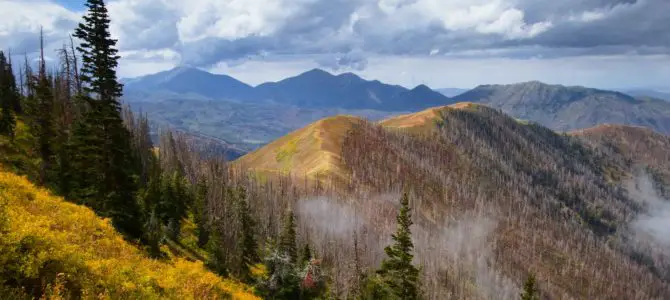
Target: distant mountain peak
point(422, 87)
point(350, 75)
point(317, 72)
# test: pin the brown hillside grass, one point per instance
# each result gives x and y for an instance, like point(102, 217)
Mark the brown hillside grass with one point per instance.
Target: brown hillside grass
point(310, 151)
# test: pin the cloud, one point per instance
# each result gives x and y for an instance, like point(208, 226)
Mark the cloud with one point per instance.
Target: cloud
point(347, 34)
point(355, 61)
point(22, 19)
point(654, 222)
point(344, 32)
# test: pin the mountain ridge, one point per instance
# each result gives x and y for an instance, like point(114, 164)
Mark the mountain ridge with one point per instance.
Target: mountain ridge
point(544, 190)
point(191, 80)
point(567, 108)
point(315, 88)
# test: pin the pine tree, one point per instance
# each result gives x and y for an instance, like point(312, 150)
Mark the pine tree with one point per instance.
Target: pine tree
point(16, 94)
point(114, 169)
point(217, 259)
point(247, 237)
point(283, 280)
point(530, 291)
point(287, 239)
point(154, 234)
point(305, 256)
point(42, 119)
point(397, 271)
point(7, 94)
point(199, 213)
point(87, 161)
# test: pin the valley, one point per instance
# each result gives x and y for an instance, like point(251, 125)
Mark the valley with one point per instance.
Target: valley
point(247, 117)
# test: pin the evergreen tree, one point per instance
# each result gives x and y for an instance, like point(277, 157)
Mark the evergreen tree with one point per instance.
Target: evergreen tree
point(7, 88)
point(173, 202)
point(154, 234)
point(306, 255)
point(113, 167)
point(217, 258)
point(87, 160)
point(397, 271)
point(247, 237)
point(283, 280)
point(530, 291)
point(287, 239)
point(42, 120)
point(199, 213)
point(15, 99)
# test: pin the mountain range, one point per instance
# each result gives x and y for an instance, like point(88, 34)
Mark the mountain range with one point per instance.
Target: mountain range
point(225, 108)
point(312, 89)
point(565, 108)
point(648, 94)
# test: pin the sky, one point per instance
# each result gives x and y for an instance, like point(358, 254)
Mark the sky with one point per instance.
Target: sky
point(441, 43)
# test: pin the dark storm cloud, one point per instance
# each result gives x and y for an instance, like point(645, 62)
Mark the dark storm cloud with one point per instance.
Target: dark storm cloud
point(596, 27)
point(623, 23)
point(343, 33)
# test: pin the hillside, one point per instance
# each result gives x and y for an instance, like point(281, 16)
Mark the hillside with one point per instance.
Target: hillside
point(309, 151)
point(49, 244)
point(494, 199)
point(566, 108)
point(423, 120)
point(246, 117)
point(316, 148)
point(642, 93)
point(640, 146)
point(244, 126)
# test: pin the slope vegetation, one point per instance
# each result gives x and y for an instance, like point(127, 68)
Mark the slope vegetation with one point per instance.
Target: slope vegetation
point(57, 249)
point(425, 119)
point(494, 199)
point(638, 146)
point(310, 151)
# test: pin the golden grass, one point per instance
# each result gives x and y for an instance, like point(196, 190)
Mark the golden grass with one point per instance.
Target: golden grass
point(310, 151)
point(315, 149)
point(46, 234)
point(423, 120)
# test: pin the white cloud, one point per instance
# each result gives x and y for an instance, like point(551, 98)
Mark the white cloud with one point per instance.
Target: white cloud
point(588, 16)
point(29, 15)
point(355, 34)
point(484, 16)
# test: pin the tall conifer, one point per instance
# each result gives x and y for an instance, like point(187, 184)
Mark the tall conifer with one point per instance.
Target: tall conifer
point(287, 239)
point(247, 236)
point(397, 271)
point(42, 119)
point(115, 170)
point(530, 291)
point(7, 117)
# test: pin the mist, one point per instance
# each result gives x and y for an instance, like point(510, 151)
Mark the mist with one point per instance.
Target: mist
point(654, 222)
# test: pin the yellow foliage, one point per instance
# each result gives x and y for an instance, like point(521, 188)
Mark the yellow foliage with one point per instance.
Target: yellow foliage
point(259, 271)
point(69, 247)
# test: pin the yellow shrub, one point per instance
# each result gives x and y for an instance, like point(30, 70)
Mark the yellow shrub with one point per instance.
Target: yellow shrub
point(62, 248)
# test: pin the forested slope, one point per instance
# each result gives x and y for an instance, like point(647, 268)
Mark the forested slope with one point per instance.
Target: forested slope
point(57, 249)
point(495, 199)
